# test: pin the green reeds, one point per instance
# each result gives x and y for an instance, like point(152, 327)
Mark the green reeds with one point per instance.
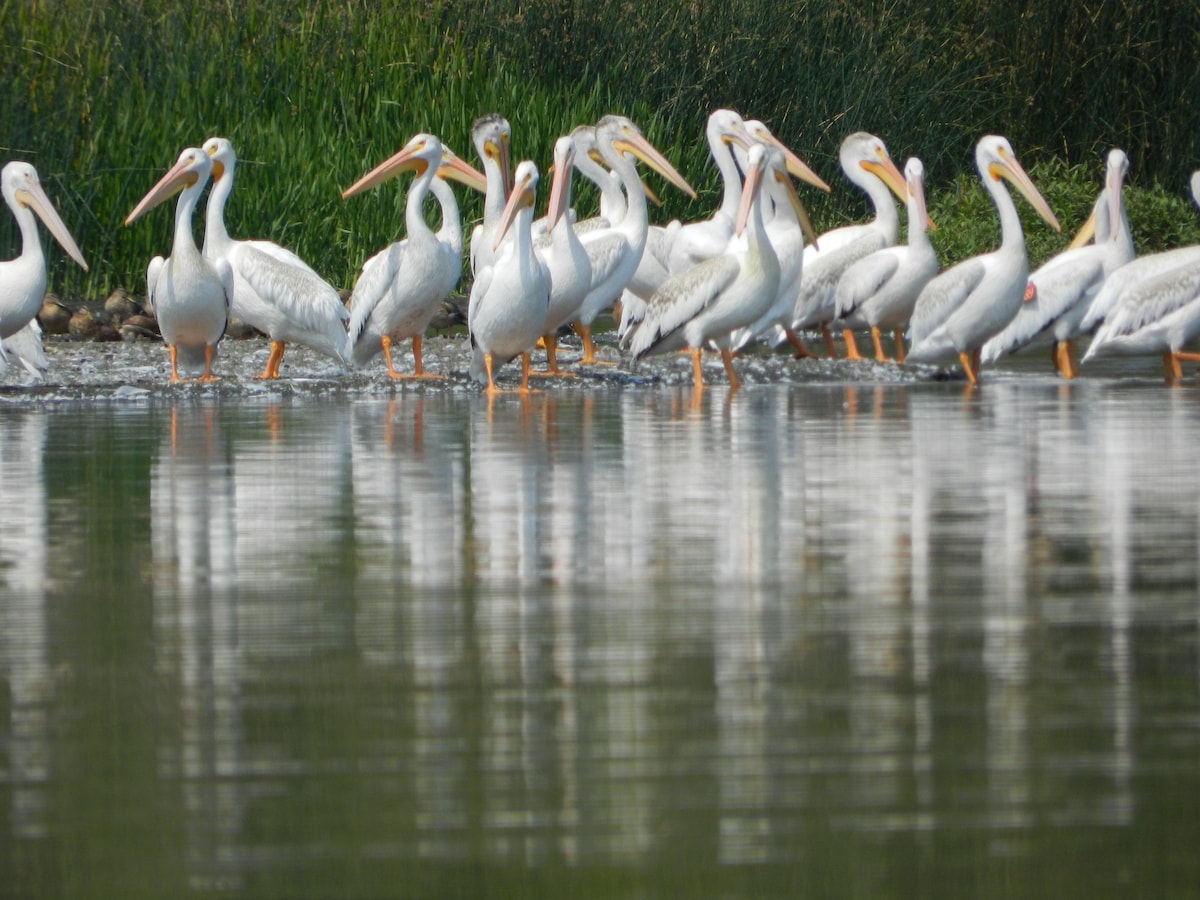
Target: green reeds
point(102, 96)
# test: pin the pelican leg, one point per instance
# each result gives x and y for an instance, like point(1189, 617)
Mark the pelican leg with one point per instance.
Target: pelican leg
point(727, 361)
point(1171, 364)
point(589, 346)
point(1187, 356)
point(418, 365)
point(802, 352)
point(173, 354)
point(1064, 359)
point(899, 339)
point(274, 358)
point(589, 349)
point(208, 356)
point(851, 344)
point(208, 365)
point(387, 356)
point(880, 356)
point(829, 347)
point(697, 373)
point(965, 360)
point(491, 390)
point(524, 388)
point(550, 342)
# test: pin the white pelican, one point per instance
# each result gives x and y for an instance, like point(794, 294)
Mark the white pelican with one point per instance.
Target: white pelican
point(706, 238)
point(711, 300)
point(865, 161)
point(1063, 288)
point(491, 135)
point(787, 233)
point(615, 251)
point(562, 252)
point(402, 286)
point(190, 294)
point(965, 305)
point(510, 298)
point(23, 279)
point(880, 290)
point(1137, 270)
point(273, 289)
point(1155, 307)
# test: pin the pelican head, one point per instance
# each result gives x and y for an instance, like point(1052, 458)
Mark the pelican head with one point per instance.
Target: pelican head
point(795, 165)
point(192, 169)
point(523, 194)
point(418, 155)
point(914, 181)
point(223, 157)
point(23, 190)
point(768, 161)
point(491, 135)
point(560, 184)
point(865, 152)
point(995, 158)
point(624, 137)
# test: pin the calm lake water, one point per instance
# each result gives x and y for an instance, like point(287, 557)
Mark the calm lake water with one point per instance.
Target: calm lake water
point(823, 640)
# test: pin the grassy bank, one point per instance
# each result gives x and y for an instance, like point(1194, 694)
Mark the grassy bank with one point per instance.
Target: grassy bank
point(101, 97)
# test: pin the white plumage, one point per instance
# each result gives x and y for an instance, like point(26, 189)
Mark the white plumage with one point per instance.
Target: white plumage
point(1063, 288)
point(510, 298)
point(880, 290)
point(23, 279)
point(961, 308)
point(273, 289)
point(190, 294)
point(400, 288)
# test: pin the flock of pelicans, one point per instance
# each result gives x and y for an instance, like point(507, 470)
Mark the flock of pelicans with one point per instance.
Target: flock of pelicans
point(754, 271)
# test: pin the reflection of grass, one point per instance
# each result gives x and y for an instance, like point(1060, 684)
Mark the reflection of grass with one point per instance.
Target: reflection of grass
point(102, 97)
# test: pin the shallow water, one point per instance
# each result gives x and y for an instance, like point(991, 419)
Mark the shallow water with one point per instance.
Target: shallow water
point(825, 638)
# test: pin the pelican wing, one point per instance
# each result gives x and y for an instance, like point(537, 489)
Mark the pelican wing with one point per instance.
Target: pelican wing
point(681, 299)
point(864, 279)
point(378, 275)
point(153, 271)
point(294, 288)
point(942, 296)
point(1126, 278)
point(605, 251)
point(1153, 300)
point(1069, 279)
point(26, 346)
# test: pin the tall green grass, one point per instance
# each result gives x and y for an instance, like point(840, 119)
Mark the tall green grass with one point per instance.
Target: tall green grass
point(102, 96)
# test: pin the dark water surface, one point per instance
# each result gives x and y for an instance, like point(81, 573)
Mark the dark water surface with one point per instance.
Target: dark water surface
point(826, 640)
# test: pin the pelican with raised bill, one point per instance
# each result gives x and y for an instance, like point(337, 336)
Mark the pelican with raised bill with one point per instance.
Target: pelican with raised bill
point(401, 288)
point(712, 300)
point(190, 295)
point(965, 305)
point(491, 135)
point(880, 290)
point(562, 252)
point(1062, 290)
point(509, 298)
point(273, 289)
point(23, 279)
point(865, 161)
